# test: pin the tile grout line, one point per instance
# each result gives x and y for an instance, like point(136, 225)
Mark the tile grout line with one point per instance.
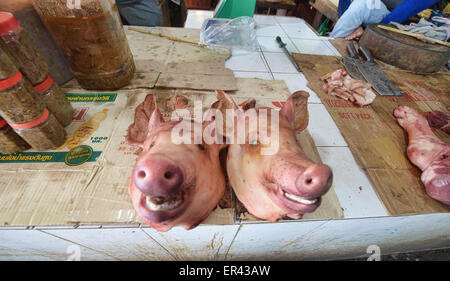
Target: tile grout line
point(232, 242)
point(331, 47)
point(81, 245)
point(293, 44)
point(296, 72)
point(266, 63)
point(270, 70)
point(308, 234)
point(154, 240)
point(251, 71)
point(329, 53)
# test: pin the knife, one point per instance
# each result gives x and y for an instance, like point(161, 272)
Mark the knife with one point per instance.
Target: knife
point(283, 45)
point(375, 75)
point(351, 63)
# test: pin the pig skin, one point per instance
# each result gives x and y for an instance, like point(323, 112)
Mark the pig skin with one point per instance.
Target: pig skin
point(259, 181)
point(440, 120)
point(197, 166)
point(339, 83)
point(427, 152)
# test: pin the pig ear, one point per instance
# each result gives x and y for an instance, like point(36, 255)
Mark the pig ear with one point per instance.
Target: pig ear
point(295, 110)
point(224, 104)
point(138, 131)
point(248, 104)
point(155, 120)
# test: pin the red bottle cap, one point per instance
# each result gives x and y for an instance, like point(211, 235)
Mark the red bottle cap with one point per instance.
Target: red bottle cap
point(2, 122)
point(8, 22)
point(45, 85)
point(11, 81)
point(31, 124)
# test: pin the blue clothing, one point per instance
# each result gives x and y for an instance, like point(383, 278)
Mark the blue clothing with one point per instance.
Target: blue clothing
point(140, 12)
point(343, 6)
point(364, 12)
point(360, 12)
point(408, 9)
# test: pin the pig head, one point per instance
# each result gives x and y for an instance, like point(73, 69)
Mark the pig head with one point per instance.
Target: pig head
point(278, 184)
point(172, 184)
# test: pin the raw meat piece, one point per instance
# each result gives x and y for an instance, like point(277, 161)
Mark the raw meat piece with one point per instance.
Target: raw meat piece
point(284, 183)
point(440, 120)
point(339, 83)
point(427, 152)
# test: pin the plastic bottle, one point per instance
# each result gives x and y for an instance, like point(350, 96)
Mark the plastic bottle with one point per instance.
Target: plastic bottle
point(43, 133)
point(20, 46)
point(55, 100)
point(26, 113)
point(10, 142)
point(7, 65)
point(19, 102)
point(30, 21)
point(92, 39)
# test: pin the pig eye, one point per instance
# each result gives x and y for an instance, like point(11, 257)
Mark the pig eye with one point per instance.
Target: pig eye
point(201, 147)
point(152, 144)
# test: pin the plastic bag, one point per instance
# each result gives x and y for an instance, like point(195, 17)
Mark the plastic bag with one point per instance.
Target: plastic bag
point(238, 33)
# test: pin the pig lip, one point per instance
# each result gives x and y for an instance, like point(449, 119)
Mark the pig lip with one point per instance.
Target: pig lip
point(290, 201)
point(167, 213)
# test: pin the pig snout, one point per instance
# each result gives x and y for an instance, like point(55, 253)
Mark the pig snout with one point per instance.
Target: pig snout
point(315, 181)
point(158, 178)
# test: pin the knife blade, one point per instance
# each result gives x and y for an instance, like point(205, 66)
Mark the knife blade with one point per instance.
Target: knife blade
point(375, 75)
point(291, 58)
point(351, 63)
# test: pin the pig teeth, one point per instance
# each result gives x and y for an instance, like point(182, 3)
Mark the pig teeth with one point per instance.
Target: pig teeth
point(299, 199)
point(169, 205)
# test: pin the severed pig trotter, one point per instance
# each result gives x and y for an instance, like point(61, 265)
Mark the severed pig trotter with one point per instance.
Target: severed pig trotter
point(427, 152)
point(172, 184)
point(285, 183)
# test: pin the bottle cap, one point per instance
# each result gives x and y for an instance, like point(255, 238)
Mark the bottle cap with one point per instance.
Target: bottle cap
point(8, 22)
point(11, 81)
point(45, 85)
point(31, 124)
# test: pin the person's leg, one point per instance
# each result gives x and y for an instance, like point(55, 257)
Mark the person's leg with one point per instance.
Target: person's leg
point(143, 13)
point(360, 13)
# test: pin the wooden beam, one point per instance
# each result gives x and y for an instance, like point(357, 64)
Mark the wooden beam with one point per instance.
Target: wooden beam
point(289, 5)
point(326, 8)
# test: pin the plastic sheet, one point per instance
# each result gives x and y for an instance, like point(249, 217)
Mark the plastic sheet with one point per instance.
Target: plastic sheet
point(238, 33)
